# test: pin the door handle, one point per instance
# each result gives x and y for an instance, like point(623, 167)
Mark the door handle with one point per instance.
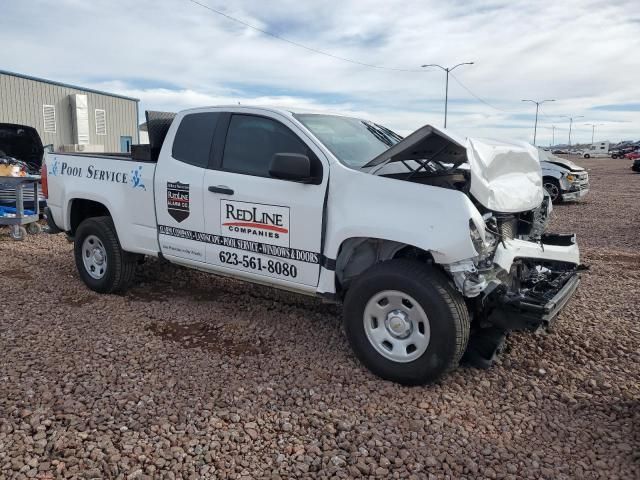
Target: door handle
point(221, 189)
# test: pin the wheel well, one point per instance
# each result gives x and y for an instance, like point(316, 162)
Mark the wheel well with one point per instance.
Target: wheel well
point(358, 254)
point(81, 209)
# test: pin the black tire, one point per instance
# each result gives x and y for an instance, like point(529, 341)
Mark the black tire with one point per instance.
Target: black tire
point(552, 186)
point(447, 314)
point(120, 265)
point(586, 155)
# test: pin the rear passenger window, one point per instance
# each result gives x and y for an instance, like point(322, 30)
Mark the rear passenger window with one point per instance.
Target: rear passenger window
point(192, 143)
point(253, 141)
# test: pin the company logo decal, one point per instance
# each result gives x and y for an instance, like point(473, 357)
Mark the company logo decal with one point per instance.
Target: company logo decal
point(253, 221)
point(178, 200)
point(136, 178)
point(54, 168)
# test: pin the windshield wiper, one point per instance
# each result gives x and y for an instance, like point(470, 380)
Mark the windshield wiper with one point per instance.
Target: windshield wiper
point(379, 134)
point(390, 133)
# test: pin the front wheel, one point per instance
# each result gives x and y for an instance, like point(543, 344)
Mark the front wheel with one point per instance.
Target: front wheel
point(102, 264)
point(405, 322)
point(552, 186)
point(586, 155)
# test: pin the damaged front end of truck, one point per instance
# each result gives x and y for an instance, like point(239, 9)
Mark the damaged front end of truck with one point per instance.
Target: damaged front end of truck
point(520, 280)
point(521, 276)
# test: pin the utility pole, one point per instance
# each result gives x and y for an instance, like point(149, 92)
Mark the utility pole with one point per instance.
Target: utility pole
point(593, 129)
point(535, 125)
point(446, 88)
point(553, 135)
point(571, 124)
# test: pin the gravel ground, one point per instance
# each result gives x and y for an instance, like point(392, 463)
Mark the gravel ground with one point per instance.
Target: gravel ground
point(191, 376)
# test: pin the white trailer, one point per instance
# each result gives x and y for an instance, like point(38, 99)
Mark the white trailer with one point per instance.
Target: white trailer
point(598, 149)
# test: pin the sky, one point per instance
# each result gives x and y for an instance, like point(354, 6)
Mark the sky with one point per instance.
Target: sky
point(175, 54)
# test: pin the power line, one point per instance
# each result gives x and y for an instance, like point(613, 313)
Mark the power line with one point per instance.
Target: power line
point(300, 45)
point(476, 96)
point(549, 117)
point(336, 57)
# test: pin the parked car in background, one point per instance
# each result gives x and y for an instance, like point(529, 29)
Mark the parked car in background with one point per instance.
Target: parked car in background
point(620, 153)
point(22, 143)
point(559, 151)
point(562, 179)
point(633, 155)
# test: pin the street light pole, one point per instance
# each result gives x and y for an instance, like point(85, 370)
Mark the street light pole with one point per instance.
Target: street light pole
point(446, 90)
point(553, 135)
point(571, 124)
point(535, 125)
point(593, 129)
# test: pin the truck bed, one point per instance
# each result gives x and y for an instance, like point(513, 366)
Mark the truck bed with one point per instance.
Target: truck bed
point(122, 184)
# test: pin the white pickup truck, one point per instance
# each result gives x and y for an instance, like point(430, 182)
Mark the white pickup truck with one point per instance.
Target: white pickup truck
point(434, 243)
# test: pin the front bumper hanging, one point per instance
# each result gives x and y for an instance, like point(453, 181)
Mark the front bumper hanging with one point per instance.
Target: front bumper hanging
point(540, 283)
point(513, 311)
point(575, 194)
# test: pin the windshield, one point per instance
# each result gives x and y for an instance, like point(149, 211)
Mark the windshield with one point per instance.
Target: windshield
point(353, 141)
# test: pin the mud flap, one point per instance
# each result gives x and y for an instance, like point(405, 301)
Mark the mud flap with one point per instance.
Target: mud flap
point(485, 345)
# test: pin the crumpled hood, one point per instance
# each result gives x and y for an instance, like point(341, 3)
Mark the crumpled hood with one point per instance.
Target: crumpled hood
point(505, 176)
point(548, 157)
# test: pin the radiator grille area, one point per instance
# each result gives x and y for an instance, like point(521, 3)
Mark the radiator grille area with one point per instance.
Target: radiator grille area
point(508, 228)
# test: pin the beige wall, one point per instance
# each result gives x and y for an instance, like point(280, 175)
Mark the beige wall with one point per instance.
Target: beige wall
point(21, 102)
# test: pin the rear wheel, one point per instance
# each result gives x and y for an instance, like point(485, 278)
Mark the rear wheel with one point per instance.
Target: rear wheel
point(405, 322)
point(586, 155)
point(102, 264)
point(552, 186)
point(34, 228)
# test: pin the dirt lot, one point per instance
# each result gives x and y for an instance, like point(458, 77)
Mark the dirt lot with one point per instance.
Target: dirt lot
point(190, 376)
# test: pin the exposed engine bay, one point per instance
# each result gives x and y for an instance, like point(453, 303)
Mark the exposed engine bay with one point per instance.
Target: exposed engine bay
point(520, 277)
point(456, 180)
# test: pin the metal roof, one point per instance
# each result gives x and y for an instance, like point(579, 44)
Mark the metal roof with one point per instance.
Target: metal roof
point(60, 84)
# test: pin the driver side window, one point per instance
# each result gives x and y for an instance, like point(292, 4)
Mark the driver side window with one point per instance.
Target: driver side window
point(252, 142)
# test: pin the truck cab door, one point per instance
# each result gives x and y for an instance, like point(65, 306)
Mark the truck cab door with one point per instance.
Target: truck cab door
point(265, 229)
point(179, 193)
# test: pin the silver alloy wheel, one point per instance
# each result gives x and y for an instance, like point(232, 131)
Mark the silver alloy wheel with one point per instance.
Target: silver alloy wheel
point(94, 257)
point(553, 191)
point(396, 326)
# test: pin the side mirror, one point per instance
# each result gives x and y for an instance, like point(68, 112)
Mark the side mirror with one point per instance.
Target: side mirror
point(291, 166)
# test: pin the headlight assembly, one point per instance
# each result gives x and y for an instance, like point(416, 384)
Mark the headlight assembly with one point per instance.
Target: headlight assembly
point(476, 238)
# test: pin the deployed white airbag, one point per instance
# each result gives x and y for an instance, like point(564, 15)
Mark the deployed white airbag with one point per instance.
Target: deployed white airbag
point(505, 177)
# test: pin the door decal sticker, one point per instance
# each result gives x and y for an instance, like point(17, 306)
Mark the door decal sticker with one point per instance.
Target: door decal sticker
point(255, 221)
point(178, 200)
point(246, 245)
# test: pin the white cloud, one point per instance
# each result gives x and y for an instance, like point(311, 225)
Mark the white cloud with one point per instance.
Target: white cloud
point(174, 54)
